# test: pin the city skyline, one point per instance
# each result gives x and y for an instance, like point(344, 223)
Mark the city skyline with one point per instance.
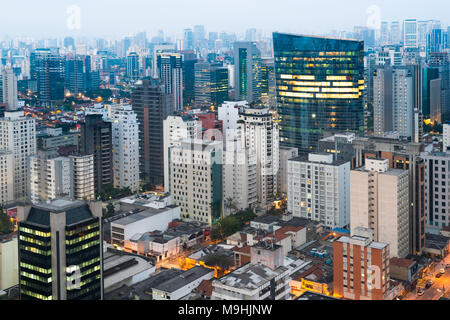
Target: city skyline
point(83, 18)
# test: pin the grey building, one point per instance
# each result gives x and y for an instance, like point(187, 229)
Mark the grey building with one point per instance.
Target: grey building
point(152, 106)
point(247, 71)
point(96, 139)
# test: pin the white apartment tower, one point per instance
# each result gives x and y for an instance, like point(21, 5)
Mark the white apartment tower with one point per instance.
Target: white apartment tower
point(258, 132)
point(196, 179)
point(239, 178)
point(125, 140)
point(9, 83)
point(50, 178)
point(177, 128)
point(318, 188)
point(83, 177)
point(18, 136)
point(379, 200)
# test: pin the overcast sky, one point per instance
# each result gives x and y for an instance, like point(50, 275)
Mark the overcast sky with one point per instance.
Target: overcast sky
point(116, 18)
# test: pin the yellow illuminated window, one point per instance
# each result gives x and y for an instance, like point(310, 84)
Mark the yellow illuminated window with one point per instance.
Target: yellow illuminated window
point(342, 84)
point(336, 78)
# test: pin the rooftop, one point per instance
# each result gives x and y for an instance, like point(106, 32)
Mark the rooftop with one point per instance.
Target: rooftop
point(183, 279)
point(250, 277)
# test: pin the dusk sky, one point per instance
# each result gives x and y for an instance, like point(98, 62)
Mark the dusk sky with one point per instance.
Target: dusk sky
point(116, 18)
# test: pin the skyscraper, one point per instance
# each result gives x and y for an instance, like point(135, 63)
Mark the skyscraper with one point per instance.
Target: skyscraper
point(189, 61)
point(257, 131)
point(196, 179)
point(320, 85)
point(247, 71)
point(9, 88)
point(410, 33)
point(60, 251)
point(48, 68)
point(170, 73)
point(152, 106)
point(96, 139)
point(394, 101)
point(18, 136)
point(379, 201)
point(188, 39)
point(125, 140)
point(211, 84)
point(133, 66)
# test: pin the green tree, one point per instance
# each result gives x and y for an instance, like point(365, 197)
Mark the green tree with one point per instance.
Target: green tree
point(110, 210)
point(220, 260)
point(6, 225)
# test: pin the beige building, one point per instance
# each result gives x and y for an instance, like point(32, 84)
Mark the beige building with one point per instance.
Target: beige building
point(379, 198)
point(6, 177)
point(195, 169)
point(9, 270)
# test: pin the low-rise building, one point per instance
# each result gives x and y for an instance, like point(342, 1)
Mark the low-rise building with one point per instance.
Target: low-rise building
point(181, 285)
point(121, 269)
point(141, 221)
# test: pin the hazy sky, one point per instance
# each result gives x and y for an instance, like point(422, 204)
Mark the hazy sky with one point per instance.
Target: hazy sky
point(115, 18)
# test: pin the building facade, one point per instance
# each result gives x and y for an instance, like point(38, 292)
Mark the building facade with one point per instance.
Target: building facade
point(320, 85)
point(318, 188)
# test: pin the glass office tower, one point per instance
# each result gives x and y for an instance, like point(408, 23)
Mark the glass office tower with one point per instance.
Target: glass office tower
point(320, 85)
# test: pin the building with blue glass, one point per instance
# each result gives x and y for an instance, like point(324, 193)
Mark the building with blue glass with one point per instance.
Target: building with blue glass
point(320, 85)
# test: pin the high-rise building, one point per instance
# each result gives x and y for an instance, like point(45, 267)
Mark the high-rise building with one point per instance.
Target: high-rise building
point(79, 76)
point(133, 70)
point(247, 71)
point(257, 131)
point(318, 188)
point(440, 88)
point(171, 76)
point(188, 39)
point(48, 69)
point(379, 201)
point(176, 129)
point(196, 179)
point(268, 83)
point(60, 251)
point(437, 182)
point(211, 84)
point(125, 141)
point(393, 101)
point(6, 176)
point(401, 155)
point(239, 178)
point(320, 85)
point(361, 267)
point(436, 41)
point(152, 106)
point(384, 33)
point(83, 177)
point(9, 89)
point(286, 154)
point(189, 61)
point(18, 136)
point(96, 139)
point(410, 33)
point(396, 33)
point(50, 177)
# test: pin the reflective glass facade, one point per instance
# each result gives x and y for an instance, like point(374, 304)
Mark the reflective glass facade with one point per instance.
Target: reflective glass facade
point(320, 85)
